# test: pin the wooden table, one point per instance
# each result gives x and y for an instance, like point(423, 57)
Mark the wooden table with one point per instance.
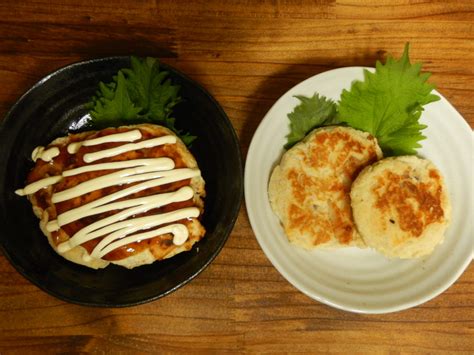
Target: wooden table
point(246, 54)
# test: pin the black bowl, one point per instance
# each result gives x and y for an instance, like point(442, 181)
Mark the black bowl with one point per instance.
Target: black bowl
point(55, 106)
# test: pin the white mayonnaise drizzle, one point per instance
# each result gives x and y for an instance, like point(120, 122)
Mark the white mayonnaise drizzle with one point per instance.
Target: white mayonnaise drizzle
point(179, 231)
point(117, 165)
point(45, 155)
point(116, 229)
point(38, 185)
point(135, 206)
point(129, 136)
point(120, 229)
point(120, 177)
point(150, 143)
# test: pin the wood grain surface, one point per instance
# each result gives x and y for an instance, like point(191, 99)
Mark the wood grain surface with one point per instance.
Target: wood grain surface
point(247, 54)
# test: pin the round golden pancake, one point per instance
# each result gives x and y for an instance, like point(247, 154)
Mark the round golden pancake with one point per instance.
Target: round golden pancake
point(401, 206)
point(309, 189)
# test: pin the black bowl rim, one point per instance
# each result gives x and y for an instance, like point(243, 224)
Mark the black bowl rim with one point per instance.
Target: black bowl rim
point(228, 230)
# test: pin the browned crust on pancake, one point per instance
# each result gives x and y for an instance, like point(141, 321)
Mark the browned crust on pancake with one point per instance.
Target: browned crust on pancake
point(417, 204)
point(309, 190)
point(401, 206)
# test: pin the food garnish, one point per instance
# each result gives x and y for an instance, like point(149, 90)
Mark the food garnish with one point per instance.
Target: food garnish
point(312, 112)
point(140, 94)
point(387, 103)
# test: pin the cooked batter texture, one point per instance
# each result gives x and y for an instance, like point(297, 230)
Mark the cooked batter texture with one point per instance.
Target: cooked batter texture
point(401, 206)
point(129, 196)
point(309, 189)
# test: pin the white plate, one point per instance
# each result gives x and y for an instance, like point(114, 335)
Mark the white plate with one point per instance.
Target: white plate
point(362, 280)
